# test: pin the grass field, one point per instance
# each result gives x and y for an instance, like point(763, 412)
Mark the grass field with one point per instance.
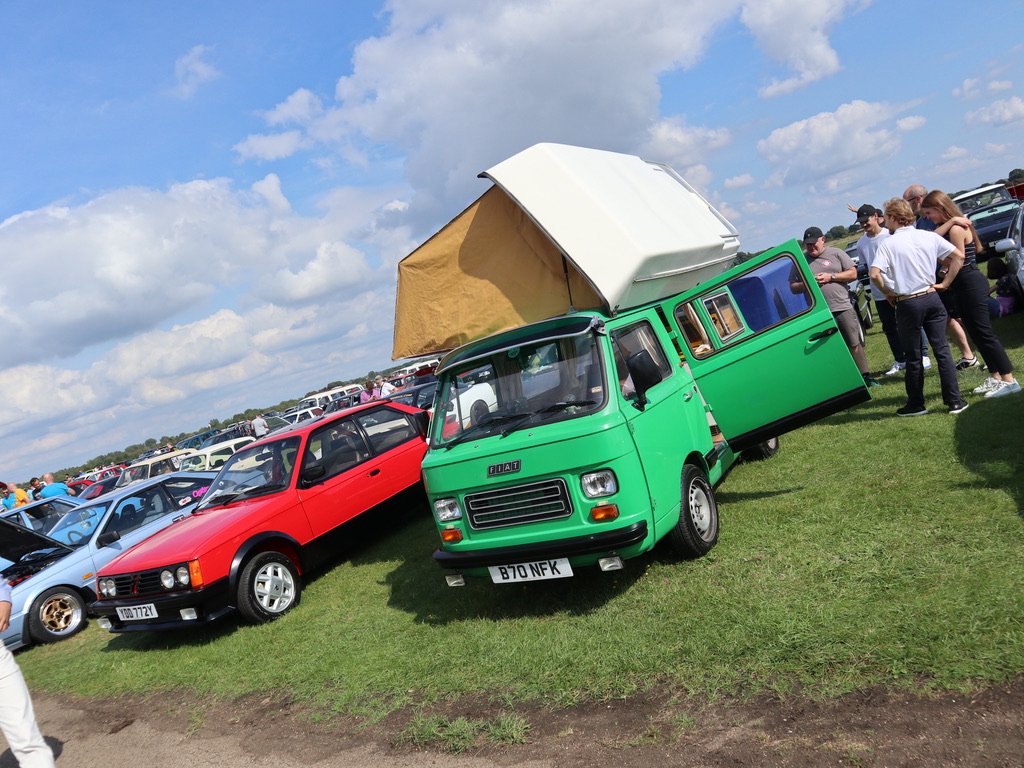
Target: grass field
point(870, 550)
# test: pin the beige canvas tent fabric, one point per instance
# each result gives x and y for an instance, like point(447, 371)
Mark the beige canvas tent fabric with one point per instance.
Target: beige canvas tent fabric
point(490, 269)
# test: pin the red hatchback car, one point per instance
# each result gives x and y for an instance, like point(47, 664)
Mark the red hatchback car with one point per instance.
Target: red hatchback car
point(242, 547)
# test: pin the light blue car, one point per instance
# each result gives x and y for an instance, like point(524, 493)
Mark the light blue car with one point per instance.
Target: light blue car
point(38, 515)
point(53, 574)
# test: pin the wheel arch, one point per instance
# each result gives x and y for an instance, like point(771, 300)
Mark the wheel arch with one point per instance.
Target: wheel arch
point(265, 541)
point(698, 460)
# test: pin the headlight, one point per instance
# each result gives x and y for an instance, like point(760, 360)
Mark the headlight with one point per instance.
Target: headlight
point(107, 588)
point(600, 483)
point(167, 579)
point(182, 575)
point(447, 510)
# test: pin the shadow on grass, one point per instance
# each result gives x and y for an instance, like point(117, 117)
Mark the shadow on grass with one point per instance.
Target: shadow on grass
point(418, 587)
point(988, 434)
point(379, 534)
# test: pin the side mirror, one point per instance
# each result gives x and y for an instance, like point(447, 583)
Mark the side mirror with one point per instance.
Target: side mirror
point(107, 538)
point(645, 374)
point(313, 473)
point(1006, 244)
point(422, 420)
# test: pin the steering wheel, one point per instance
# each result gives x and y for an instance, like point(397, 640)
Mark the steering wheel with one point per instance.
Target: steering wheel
point(75, 536)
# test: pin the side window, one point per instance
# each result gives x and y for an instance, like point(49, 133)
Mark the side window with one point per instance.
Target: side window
point(218, 457)
point(386, 429)
point(632, 341)
point(337, 447)
point(136, 511)
point(750, 303)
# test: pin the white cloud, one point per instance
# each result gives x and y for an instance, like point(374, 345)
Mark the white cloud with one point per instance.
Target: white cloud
point(761, 208)
point(274, 146)
point(191, 71)
point(499, 55)
point(796, 32)
point(1002, 112)
point(300, 108)
point(738, 182)
point(830, 143)
point(997, 86)
point(953, 153)
point(968, 89)
point(674, 142)
point(912, 123)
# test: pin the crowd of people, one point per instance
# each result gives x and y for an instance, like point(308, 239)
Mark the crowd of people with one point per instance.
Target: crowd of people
point(922, 256)
point(16, 496)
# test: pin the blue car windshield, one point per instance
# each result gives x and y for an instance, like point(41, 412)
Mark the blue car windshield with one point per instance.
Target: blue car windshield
point(79, 525)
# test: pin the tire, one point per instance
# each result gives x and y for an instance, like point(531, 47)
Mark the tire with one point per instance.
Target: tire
point(697, 530)
point(269, 587)
point(478, 412)
point(762, 451)
point(867, 320)
point(56, 615)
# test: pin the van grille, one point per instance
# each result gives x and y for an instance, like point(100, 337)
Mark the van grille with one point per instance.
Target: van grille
point(530, 503)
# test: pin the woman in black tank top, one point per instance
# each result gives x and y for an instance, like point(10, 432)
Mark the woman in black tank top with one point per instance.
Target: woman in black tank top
point(971, 290)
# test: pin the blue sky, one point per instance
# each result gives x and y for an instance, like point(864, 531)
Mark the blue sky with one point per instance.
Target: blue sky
point(203, 204)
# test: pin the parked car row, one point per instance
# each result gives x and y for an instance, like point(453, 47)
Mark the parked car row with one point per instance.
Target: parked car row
point(56, 555)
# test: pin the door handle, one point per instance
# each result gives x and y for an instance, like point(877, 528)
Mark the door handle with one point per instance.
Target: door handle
point(373, 472)
point(824, 334)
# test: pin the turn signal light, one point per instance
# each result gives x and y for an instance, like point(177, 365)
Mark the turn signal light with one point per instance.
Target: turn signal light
point(605, 512)
point(451, 534)
point(195, 574)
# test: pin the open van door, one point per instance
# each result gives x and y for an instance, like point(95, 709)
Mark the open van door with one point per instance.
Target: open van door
point(764, 348)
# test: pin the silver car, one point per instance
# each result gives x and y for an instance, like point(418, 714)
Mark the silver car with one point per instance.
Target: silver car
point(53, 571)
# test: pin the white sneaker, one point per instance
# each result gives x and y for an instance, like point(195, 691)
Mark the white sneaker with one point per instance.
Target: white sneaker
point(896, 368)
point(926, 362)
point(987, 386)
point(1004, 388)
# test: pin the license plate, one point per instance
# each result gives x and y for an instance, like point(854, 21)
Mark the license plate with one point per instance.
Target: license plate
point(558, 568)
point(136, 612)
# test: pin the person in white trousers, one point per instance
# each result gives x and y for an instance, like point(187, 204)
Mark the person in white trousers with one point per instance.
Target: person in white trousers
point(17, 719)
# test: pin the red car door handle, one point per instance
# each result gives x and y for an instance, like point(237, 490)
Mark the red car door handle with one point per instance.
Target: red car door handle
point(373, 472)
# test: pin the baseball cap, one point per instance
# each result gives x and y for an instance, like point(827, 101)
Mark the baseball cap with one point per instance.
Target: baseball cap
point(865, 212)
point(811, 234)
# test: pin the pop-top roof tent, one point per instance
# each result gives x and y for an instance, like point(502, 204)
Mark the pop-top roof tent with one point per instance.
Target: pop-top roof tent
point(562, 228)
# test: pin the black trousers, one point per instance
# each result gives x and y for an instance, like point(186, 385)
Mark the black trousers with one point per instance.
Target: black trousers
point(927, 313)
point(970, 289)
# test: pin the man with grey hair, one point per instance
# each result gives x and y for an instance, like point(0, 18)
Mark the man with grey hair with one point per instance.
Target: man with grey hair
point(904, 272)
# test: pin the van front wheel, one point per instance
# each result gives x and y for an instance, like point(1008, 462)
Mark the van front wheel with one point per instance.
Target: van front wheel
point(697, 530)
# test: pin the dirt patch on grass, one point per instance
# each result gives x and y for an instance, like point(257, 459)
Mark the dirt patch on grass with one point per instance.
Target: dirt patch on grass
point(868, 728)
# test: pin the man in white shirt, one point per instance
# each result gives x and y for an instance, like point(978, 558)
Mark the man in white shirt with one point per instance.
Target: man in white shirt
point(903, 270)
point(17, 719)
point(259, 426)
point(870, 218)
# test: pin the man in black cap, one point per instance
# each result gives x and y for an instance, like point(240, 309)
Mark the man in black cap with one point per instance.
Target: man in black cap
point(833, 271)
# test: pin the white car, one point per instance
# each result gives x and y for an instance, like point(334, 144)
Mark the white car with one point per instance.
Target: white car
point(213, 457)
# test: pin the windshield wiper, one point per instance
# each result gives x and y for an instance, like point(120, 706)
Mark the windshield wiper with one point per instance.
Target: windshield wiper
point(553, 408)
point(226, 497)
point(494, 420)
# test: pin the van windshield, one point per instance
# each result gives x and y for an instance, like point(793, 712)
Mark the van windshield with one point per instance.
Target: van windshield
point(539, 382)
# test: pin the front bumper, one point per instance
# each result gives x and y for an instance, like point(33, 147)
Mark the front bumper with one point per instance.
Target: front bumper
point(210, 603)
point(594, 544)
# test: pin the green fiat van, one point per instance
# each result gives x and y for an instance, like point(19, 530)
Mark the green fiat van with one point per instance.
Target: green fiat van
point(630, 366)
